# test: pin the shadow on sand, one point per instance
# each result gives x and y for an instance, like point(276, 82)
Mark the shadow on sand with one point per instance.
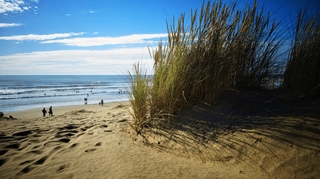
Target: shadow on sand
point(258, 126)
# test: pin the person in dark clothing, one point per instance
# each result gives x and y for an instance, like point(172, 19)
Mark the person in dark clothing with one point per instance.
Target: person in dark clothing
point(44, 111)
point(50, 111)
point(1, 114)
point(101, 102)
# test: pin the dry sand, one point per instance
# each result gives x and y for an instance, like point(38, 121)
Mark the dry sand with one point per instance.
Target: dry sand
point(247, 135)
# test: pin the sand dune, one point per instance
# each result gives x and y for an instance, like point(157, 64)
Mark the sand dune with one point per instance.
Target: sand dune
point(96, 142)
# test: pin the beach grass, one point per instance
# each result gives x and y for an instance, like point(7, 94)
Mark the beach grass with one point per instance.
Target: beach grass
point(221, 48)
point(302, 75)
point(138, 96)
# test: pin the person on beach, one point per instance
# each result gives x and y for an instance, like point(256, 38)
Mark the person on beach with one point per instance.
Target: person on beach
point(1, 114)
point(101, 102)
point(50, 111)
point(44, 111)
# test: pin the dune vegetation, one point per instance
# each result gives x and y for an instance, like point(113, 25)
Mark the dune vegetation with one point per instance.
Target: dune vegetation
point(302, 74)
point(221, 48)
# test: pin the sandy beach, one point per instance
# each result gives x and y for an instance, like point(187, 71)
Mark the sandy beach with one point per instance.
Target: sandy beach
point(251, 140)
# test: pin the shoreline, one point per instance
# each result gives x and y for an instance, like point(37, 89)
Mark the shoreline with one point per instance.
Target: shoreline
point(45, 104)
point(59, 110)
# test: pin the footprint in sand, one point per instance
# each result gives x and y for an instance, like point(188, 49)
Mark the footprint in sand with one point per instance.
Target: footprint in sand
point(94, 149)
point(23, 133)
point(64, 140)
point(69, 126)
point(2, 161)
point(29, 155)
point(41, 161)
point(55, 149)
point(2, 152)
point(73, 145)
point(66, 133)
point(13, 146)
point(32, 166)
point(35, 147)
point(98, 144)
point(62, 168)
point(27, 169)
point(5, 138)
point(104, 125)
point(90, 150)
point(35, 152)
point(86, 128)
point(26, 162)
point(122, 120)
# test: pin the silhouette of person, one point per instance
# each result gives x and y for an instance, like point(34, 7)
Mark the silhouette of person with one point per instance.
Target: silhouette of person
point(1, 114)
point(50, 111)
point(101, 102)
point(44, 111)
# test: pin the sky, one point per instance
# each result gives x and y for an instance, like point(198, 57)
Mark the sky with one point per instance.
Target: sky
point(97, 37)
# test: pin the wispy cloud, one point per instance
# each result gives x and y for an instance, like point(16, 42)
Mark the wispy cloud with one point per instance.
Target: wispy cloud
point(15, 6)
point(36, 37)
point(91, 12)
point(113, 61)
point(10, 24)
point(99, 41)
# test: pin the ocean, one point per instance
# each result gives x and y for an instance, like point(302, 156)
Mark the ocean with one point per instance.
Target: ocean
point(24, 92)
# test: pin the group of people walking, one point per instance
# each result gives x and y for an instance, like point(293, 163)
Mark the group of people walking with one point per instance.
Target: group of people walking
point(44, 111)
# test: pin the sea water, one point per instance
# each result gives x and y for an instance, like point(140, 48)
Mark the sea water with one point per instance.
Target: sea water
point(23, 92)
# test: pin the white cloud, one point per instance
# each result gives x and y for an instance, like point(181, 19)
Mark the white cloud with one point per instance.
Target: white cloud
point(10, 6)
point(15, 5)
point(99, 41)
point(40, 37)
point(114, 61)
point(9, 24)
point(17, 1)
point(91, 12)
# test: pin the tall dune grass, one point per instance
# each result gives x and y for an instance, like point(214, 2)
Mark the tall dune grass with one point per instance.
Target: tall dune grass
point(220, 48)
point(302, 75)
point(138, 96)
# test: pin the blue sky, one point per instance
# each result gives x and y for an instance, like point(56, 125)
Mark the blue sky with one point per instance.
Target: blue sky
point(53, 37)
